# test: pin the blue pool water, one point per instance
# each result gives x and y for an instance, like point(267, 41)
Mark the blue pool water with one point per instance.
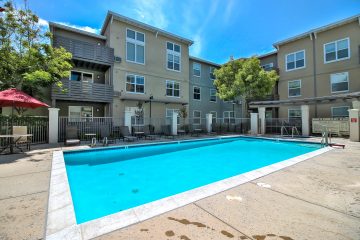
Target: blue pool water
point(107, 181)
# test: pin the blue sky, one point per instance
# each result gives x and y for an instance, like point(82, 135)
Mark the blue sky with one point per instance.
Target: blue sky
point(219, 28)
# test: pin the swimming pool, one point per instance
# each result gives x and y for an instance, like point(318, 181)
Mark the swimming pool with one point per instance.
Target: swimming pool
point(107, 181)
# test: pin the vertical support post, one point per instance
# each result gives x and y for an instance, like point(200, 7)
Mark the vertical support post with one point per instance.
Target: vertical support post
point(354, 118)
point(53, 125)
point(209, 122)
point(262, 119)
point(174, 123)
point(254, 123)
point(305, 120)
point(127, 119)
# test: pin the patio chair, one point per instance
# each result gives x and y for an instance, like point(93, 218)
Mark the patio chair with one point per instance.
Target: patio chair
point(166, 131)
point(125, 134)
point(105, 135)
point(21, 141)
point(71, 136)
point(195, 130)
point(148, 133)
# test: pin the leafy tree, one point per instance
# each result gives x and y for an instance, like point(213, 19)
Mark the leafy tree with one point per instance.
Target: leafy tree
point(27, 59)
point(183, 113)
point(244, 78)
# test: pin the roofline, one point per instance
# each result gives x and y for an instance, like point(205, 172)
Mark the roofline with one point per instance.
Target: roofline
point(318, 30)
point(204, 61)
point(267, 54)
point(141, 25)
point(72, 29)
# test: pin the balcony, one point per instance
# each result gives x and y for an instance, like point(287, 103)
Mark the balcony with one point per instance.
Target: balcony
point(83, 91)
point(86, 51)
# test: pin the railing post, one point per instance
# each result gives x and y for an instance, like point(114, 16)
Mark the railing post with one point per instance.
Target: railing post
point(127, 119)
point(174, 123)
point(305, 120)
point(208, 122)
point(53, 125)
point(254, 123)
point(262, 119)
point(354, 118)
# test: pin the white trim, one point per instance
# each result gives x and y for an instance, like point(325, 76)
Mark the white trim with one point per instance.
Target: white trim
point(173, 109)
point(194, 93)
point(193, 66)
point(173, 87)
point(332, 111)
point(174, 53)
point(135, 75)
point(82, 72)
point(289, 70)
point(197, 117)
point(289, 88)
point(336, 58)
point(348, 82)
point(136, 42)
point(211, 95)
point(212, 79)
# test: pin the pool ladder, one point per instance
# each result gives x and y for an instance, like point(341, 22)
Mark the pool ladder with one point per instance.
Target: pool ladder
point(294, 131)
point(325, 137)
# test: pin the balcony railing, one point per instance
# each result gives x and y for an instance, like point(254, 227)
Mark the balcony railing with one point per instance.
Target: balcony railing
point(85, 50)
point(83, 91)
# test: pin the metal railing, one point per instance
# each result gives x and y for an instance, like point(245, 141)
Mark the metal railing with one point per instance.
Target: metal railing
point(282, 125)
point(36, 125)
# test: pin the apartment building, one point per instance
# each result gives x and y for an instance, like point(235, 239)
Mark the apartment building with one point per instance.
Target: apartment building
point(129, 64)
point(203, 98)
point(319, 68)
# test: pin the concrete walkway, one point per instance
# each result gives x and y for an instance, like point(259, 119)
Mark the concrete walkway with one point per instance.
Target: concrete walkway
point(315, 199)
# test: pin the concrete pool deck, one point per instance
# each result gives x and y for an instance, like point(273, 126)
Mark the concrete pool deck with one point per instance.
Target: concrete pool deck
point(315, 199)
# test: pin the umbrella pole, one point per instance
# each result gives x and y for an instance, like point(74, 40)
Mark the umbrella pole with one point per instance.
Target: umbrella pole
point(12, 129)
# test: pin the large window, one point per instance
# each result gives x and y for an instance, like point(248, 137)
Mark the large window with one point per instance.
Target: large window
point(212, 75)
point(173, 56)
point(135, 46)
point(268, 66)
point(135, 83)
point(212, 95)
point(169, 115)
point(339, 82)
point(196, 69)
point(172, 89)
point(229, 117)
point(337, 50)
point(294, 113)
point(80, 113)
point(214, 116)
point(340, 111)
point(197, 117)
point(197, 93)
point(295, 60)
point(81, 76)
point(294, 88)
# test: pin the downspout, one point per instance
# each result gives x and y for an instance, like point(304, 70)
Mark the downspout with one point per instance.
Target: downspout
point(313, 36)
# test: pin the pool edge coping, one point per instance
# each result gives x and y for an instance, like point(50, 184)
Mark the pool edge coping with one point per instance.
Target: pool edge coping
point(61, 220)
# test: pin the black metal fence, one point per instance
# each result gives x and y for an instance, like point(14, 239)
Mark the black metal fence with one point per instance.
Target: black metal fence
point(285, 126)
point(36, 125)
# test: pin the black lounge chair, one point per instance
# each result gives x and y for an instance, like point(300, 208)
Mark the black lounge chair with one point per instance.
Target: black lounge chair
point(166, 130)
point(148, 134)
point(125, 133)
point(106, 136)
point(195, 130)
point(71, 136)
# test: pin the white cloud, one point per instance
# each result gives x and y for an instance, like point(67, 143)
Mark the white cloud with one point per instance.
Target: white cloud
point(196, 48)
point(151, 12)
point(84, 28)
point(43, 23)
point(228, 11)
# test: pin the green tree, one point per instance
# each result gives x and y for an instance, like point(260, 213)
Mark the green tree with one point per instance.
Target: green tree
point(244, 78)
point(27, 59)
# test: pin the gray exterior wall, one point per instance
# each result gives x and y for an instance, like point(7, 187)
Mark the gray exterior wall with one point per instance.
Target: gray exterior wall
point(206, 83)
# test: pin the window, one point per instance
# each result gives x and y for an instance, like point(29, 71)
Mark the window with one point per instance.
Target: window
point(295, 60)
point(169, 115)
point(339, 82)
point(196, 69)
point(268, 66)
point(229, 117)
point(212, 95)
point(197, 93)
point(173, 55)
point(135, 83)
point(212, 75)
point(81, 76)
point(172, 89)
point(214, 116)
point(294, 88)
point(76, 113)
point(135, 46)
point(337, 50)
point(340, 111)
point(294, 113)
point(197, 117)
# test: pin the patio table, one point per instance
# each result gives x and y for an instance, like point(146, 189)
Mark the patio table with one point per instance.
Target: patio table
point(139, 134)
point(11, 143)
